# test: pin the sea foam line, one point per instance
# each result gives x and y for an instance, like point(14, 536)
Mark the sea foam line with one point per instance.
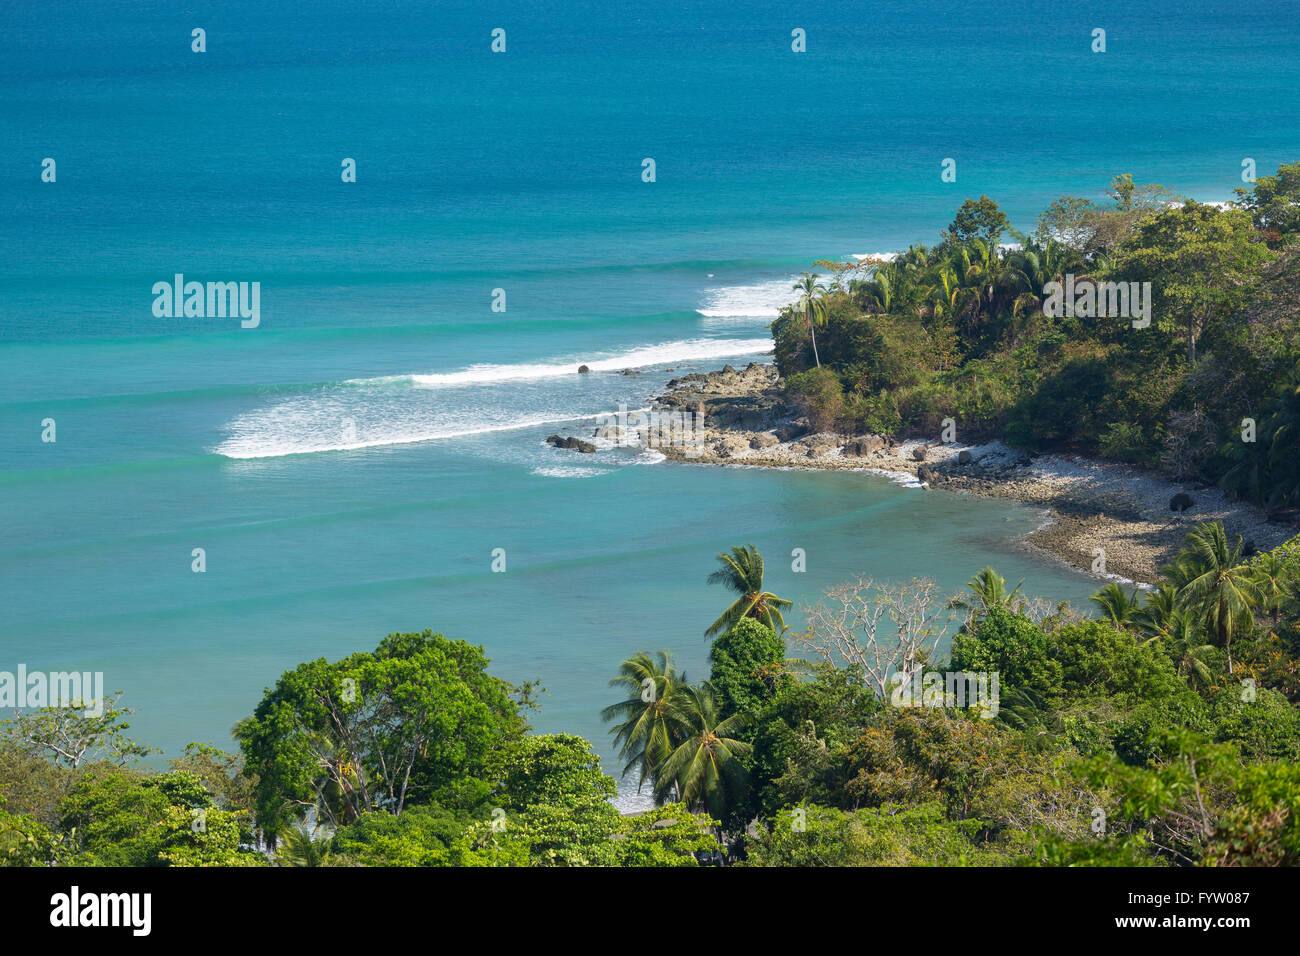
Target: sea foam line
point(255, 446)
point(662, 354)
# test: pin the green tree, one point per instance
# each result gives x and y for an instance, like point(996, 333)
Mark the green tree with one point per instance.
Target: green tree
point(747, 664)
point(421, 836)
point(1099, 660)
point(28, 842)
point(554, 803)
point(979, 219)
point(891, 835)
point(1215, 585)
point(1014, 647)
point(299, 846)
point(988, 590)
point(666, 836)
point(373, 731)
point(742, 572)
point(115, 818)
point(801, 739)
point(1201, 262)
point(70, 736)
point(1118, 606)
point(706, 768)
point(812, 303)
point(645, 730)
point(208, 836)
point(1274, 201)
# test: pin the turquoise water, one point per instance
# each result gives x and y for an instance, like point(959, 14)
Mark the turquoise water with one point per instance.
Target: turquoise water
point(350, 464)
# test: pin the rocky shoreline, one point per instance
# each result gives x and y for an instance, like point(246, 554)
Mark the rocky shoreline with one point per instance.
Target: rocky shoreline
point(1094, 507)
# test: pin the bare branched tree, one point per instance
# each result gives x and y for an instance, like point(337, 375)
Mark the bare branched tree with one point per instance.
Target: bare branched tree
point(881, 629)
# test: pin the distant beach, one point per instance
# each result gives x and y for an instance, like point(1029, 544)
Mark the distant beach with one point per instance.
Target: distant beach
point(1106, 519)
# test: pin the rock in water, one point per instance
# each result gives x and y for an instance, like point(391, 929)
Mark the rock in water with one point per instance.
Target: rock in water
point(583, 370)
point(572, 444)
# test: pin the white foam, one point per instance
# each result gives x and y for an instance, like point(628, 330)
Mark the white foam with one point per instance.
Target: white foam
point(568, 471)
point(662, 354)
point(904, 478)
point(308, 429)
point(758, 300)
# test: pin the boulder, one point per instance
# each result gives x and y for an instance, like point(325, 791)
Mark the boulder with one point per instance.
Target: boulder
point(790, 432)
point(583, 370)
point(571, 444)
point(926, 474)
point(815, 446)
point(763, 440)
point(863, 447)
point(965, 458)
point(729, 446)
point(918, 453)
point(1180, 502)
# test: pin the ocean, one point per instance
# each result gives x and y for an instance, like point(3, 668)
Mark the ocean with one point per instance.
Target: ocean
point(350, 464)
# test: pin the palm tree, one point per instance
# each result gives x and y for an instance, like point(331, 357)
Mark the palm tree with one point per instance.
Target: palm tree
point(1020, 708)
point(705, 768)
point(1030, 270)
point(1120, 607)
point(742, 572)
point(647, 732)
point(1271, 575)
point(299, 846)
point(1164, 619)
point(812, 303)
point(944, 290)
point(1214, 584)
point(877, 293)
point(988, 590)
point(1185, 644)
point(1159, 610)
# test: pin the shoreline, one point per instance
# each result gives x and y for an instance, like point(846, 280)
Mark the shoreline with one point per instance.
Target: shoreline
point(1092, 506)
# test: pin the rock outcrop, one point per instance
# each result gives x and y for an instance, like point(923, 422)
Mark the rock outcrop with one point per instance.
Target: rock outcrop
point(573, 444)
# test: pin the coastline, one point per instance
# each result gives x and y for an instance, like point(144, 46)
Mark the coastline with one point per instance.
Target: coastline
point(1092, 506)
